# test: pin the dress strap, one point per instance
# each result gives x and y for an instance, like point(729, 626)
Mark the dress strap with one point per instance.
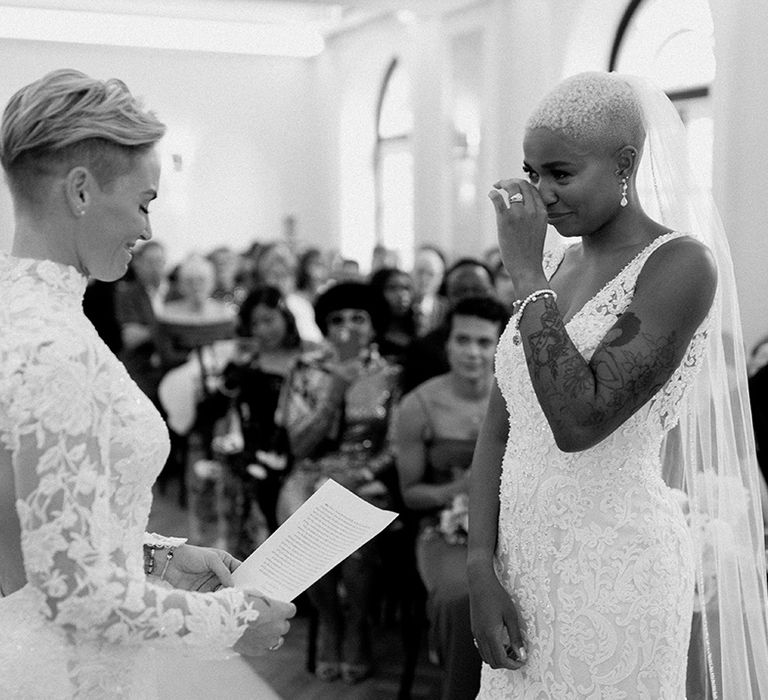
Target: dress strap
point(628, 276)
point(552, 259)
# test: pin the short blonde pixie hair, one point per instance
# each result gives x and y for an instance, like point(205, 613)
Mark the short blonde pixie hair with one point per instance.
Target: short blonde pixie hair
point(67, 119)
point(597, 110)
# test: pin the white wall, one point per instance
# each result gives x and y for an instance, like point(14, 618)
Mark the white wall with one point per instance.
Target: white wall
point(741, 150)
point(245, 127)
point(349, 74)
point(527, 48)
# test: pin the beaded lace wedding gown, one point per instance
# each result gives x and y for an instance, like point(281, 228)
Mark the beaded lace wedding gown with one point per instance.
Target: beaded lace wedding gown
point(592, 545)
point(88, 624)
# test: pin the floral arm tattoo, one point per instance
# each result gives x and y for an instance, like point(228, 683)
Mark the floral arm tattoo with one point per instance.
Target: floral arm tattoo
point(626, 370)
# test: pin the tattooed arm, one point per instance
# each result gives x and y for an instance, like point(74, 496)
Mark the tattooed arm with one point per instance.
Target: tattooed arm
point(584, 402)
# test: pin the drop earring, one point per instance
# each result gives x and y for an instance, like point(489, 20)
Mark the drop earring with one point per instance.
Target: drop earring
point(623, 201)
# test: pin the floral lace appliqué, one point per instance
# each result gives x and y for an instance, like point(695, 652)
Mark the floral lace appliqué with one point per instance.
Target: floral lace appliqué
point(84, 446)
point(593, 546)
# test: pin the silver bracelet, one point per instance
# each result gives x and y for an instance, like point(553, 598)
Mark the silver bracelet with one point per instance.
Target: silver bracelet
point(532, 297)
point(168, 557)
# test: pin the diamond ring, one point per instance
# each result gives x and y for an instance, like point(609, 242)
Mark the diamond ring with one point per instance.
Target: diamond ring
point(516, 198)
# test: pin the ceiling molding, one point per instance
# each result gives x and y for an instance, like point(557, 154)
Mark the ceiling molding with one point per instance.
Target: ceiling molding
point(254, 27)
point(184, 26)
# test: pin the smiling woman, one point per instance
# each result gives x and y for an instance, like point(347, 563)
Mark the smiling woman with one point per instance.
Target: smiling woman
point(81, 616)
point(90, 165)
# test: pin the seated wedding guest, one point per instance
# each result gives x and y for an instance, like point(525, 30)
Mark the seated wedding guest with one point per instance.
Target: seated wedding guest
point(193, 333)
point(434, 434)
point(276, 266)
point(313, 275)
point(348, 271)
point(246, 274)
point(195, 306)
point(398, 325)
point(253, 448)
point(428, 272)
point(139, 298)
point(336, 407)
point(426, 358)
point(226, 266)
point(83, 614)
point(382, 256)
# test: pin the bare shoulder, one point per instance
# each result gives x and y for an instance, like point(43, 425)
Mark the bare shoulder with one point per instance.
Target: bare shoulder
point(681, 270)
point(410, 409)
point(685, 254)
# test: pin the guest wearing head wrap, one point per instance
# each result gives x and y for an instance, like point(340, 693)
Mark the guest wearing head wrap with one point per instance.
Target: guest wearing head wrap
point(336, 408)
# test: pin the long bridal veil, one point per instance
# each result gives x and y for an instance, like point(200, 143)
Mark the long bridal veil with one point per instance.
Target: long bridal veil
point(710, 455)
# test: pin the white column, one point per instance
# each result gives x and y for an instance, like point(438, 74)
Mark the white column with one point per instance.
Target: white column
point(740, 97)
point(431, 210)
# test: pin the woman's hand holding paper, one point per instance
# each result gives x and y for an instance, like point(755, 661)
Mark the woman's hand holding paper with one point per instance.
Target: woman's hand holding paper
point(267, 631)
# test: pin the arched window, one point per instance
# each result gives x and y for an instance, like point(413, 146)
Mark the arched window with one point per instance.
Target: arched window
point(393, 165)
point(672, 42)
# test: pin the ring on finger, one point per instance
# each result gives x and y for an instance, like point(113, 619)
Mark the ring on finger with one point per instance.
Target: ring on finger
point(277, 644)
point(474, 641)
point(516, 198)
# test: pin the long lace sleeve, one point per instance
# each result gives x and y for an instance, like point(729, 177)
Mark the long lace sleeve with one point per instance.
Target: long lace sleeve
point(82, 438)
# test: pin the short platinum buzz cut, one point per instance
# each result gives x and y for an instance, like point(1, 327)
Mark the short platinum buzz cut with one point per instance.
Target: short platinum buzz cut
point(594, 109)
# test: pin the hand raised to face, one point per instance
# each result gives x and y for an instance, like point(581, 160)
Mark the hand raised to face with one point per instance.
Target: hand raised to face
point(521, 227)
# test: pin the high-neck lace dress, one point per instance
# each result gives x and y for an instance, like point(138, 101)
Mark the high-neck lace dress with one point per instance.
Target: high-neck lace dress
point(592, 545)
point(82, 445)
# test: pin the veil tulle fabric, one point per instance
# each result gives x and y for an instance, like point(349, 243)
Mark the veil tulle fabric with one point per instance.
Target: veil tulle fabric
point(710, 455)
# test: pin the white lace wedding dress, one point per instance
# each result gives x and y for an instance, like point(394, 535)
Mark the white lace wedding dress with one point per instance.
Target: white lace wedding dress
point(83, 446)
point(592, 545)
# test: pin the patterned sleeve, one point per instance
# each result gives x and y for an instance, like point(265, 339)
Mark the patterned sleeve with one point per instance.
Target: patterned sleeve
point(306, 394)
point(76, 462)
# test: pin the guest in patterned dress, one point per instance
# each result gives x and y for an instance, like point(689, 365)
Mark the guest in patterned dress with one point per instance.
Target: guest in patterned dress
point(336, 408)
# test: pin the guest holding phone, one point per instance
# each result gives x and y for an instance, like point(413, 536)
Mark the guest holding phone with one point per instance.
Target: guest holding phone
point(336, 406)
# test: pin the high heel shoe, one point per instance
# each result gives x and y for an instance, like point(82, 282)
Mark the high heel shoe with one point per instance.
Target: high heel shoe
point(328, 651)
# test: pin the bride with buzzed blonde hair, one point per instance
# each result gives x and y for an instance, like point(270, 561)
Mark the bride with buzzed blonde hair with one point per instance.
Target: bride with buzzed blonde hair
point(616, 528)
point(91, 606)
